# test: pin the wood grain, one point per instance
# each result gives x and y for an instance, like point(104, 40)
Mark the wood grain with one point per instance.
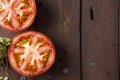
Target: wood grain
point(59, 19)
point(100, 39)
point(119, 34)
point(99, 31)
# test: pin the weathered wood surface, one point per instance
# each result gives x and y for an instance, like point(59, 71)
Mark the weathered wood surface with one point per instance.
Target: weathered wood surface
point(59, 19)
point(87, 43)
point(119, 34)
point(100, 40)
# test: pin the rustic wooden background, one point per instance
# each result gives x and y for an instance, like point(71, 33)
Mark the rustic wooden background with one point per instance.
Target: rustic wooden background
point(59, 19)
point(86, 34)
point(100, 39)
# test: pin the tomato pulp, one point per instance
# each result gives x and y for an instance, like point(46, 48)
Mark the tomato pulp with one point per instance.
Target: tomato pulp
point(31, 53)
point(17, 15)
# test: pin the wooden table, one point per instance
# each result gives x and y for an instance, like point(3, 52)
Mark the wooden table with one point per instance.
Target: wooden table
point(100, 39)
point(86, 34)
point(59, 19)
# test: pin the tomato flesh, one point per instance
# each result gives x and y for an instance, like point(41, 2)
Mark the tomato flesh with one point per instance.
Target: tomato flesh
point(17, 15)
point(31, 53)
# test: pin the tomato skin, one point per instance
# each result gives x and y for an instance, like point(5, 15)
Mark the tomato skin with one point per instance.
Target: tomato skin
point(30, 22)
point(11, 54)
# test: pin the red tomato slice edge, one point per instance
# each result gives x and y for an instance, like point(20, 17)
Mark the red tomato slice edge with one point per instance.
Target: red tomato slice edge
point(10, 56)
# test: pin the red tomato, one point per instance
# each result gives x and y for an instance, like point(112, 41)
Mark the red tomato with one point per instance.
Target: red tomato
point(17, 15)
point(31, 53)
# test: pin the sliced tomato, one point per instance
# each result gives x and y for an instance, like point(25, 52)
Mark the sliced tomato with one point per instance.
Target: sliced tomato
point(31, 53)
point(17, 15)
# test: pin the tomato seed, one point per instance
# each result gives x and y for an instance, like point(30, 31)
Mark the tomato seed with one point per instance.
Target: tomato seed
point(25, 3)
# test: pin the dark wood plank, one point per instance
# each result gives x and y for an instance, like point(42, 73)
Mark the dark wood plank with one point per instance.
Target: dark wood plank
point(59, 19)
point(119, 34)
point(100, 39)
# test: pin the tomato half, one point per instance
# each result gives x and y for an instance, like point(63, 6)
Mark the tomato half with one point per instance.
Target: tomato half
point(17, 15)
point(31, 53)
